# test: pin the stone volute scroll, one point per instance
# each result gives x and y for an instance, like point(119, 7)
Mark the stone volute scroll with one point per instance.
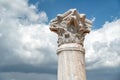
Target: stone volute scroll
point(71, 27)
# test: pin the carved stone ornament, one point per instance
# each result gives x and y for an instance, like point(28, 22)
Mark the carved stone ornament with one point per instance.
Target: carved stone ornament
point(71, 27)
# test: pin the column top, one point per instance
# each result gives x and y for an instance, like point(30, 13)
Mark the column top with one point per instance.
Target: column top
point(71, 27)
point(71, 47)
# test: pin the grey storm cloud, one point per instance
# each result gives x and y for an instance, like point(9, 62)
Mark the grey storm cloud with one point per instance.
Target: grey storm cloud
point(104, 74)
point(24, 68)
point(26, 76)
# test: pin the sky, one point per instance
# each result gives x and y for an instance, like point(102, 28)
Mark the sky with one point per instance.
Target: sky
point(28, 47)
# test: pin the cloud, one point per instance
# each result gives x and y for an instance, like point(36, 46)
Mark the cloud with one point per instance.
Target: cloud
point(103, 74)
point(103, 53)
point(26, 76)
point(24, 38)
point(26, 44)
point(20, 9)
point(102, 46)
point(37, 44)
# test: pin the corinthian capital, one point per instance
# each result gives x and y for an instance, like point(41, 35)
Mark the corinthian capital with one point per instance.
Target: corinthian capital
point(71, 27)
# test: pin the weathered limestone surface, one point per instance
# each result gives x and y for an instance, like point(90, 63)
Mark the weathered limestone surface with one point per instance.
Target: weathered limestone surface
point(71, 62)
point(71, 28)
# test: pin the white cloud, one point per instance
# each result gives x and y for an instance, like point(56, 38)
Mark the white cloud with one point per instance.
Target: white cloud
point(102, 46)
point(20, 9)
point(24, 35)
point(93, 19)
point(38, 44)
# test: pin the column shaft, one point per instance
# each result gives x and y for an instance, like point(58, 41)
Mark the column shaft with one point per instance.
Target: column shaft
point(71, 62)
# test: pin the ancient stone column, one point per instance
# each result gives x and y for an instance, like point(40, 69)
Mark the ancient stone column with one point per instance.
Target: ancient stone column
point(71, 28)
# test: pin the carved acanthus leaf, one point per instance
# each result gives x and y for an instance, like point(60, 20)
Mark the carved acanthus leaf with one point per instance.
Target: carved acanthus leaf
point(71, 27)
